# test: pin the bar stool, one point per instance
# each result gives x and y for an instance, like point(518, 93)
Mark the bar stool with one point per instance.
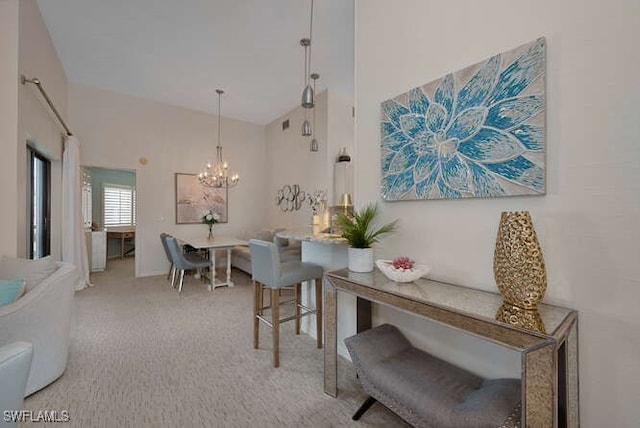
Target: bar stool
point(268, 271)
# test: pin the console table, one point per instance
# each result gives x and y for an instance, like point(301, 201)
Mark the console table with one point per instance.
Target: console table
point(122, 233)
point(549, 357)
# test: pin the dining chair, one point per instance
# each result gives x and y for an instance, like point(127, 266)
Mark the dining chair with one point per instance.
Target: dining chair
point(270, 272)
point(185, 261)
point(172, 270)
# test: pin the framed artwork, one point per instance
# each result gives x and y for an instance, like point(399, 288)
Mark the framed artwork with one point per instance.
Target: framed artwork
point(475, 133)
point(192, 199)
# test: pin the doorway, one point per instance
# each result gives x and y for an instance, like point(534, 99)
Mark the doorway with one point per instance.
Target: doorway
point(111, 207)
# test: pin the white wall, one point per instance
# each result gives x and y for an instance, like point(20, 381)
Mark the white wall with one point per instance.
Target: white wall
point(26, 48)
point(290, 160)
point(9, 13)
point(37, 125)
point(587, 222)
point(117, 130)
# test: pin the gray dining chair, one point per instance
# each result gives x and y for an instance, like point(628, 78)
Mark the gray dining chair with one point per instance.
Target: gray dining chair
point(172, 270)
point(185, 261)
point(270, 272)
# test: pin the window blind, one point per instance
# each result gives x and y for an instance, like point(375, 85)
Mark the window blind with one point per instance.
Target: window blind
point(118, 205)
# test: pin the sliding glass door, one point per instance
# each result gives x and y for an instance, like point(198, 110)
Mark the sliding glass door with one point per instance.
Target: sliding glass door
point(39, 205)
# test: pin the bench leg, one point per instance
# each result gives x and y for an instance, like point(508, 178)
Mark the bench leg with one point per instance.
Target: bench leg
point(365, 406)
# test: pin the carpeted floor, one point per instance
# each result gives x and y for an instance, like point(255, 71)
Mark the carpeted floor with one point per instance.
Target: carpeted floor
point(142, 356)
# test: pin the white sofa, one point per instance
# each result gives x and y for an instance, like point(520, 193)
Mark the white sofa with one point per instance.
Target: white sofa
point(15, 360)
point(288, 250)
point(42, 317)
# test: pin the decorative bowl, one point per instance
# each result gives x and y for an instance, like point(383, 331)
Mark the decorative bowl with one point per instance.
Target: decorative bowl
point(402, 275)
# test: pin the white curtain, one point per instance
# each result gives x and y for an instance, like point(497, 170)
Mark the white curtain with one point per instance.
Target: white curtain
point(74, 246)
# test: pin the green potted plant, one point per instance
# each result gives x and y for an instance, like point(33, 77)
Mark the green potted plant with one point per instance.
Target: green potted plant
point(361, 233)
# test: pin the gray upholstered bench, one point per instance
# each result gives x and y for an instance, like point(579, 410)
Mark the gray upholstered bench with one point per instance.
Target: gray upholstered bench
point(426, 391)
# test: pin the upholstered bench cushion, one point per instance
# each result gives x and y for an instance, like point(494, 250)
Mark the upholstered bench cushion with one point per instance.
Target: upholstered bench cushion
point(425, 390)
point(288, 251)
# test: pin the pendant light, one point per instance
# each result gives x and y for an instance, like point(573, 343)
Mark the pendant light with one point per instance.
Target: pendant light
point(308, 93)
point(306, 127)
point(314, 140)
point(216, 174)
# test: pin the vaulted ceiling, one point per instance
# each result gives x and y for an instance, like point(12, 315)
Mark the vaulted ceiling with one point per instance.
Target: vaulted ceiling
point(179, 52)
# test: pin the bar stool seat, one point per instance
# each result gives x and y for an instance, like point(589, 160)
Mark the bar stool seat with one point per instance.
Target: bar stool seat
point(268, 271)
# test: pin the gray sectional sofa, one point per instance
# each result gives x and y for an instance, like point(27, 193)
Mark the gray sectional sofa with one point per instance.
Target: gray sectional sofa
point(289, 250)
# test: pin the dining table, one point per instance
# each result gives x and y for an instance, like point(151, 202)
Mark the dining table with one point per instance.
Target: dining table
point(212, 245)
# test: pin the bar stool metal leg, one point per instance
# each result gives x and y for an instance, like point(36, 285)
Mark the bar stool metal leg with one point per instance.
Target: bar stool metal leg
point(297, 288)
point(257, 310)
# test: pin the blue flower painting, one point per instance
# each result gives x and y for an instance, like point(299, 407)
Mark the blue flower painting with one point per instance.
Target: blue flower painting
point(475, 133)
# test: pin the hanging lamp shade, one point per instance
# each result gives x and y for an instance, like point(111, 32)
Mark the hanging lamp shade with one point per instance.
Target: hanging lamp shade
point(308, 92)
point(307, 97)
point(306, 128)
point(314, 140)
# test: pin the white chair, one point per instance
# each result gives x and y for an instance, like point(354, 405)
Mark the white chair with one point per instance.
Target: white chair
point(15, 363)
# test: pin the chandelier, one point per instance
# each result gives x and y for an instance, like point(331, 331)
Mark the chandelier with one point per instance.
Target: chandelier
point(216, 174)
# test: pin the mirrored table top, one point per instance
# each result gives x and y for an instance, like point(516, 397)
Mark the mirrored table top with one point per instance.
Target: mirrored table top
point(473, 302)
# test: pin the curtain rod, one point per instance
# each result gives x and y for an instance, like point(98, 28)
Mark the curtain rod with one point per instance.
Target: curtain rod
point(37, 82)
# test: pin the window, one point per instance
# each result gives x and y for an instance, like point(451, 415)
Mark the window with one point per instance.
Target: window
point(119, 205)
point(39, 208)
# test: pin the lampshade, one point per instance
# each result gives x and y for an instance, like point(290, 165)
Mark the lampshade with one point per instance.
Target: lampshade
point(308, 92)
point(345, 200)
point(307, 97)
point(306, 128)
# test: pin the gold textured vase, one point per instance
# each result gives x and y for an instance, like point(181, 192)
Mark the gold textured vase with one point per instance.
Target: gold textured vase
point(518, 265)
point(529, 319)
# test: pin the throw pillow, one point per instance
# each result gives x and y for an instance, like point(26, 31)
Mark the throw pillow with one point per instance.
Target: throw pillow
point(10, 291)
point(32, 271)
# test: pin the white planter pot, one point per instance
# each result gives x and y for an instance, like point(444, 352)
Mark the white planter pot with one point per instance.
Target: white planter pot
point(361, 259)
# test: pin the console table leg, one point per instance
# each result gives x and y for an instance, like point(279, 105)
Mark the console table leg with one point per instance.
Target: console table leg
point(331, 339)
point(539, 387)
point(572, 389)
point(363, 314)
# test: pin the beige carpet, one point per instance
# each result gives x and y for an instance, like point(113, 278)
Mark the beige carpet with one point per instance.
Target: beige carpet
point(142, 356)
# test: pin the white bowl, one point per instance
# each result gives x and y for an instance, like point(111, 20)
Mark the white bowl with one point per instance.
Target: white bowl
point(402, 275)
